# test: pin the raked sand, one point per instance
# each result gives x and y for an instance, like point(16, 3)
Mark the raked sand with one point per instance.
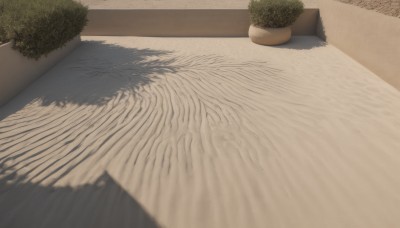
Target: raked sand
point(197, 132)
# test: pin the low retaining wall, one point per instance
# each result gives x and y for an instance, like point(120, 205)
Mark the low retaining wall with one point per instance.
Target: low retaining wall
point(17, 71)
point(371, 38)
point(183, 22)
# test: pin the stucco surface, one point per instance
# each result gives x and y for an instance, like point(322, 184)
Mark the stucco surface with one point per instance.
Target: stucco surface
point(17, 71)
point(369, 37)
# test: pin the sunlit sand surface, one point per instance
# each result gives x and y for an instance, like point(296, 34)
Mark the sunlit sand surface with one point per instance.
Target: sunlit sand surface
point(210, 132)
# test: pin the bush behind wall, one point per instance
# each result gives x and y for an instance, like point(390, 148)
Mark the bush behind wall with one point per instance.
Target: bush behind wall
point(275, 13)
point(38, 27)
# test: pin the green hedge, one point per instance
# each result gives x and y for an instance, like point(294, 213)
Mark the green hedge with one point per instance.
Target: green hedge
point(40, 26)
point(275, 13)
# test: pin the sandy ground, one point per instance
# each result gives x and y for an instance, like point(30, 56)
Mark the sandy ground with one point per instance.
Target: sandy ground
point(388, 7)
point(174, 4)
point(186, 132)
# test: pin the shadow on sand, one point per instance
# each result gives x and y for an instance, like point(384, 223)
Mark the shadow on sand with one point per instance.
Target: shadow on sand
point(101, 204)
point(94, 74)
point(299, 43)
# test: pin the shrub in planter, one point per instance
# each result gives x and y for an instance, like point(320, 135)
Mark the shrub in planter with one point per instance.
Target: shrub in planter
point(38, 27)
point(271, 20)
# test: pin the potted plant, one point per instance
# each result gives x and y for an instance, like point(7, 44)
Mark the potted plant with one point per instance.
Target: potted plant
point(34, 35)
point(38, 27)
point(271, 20)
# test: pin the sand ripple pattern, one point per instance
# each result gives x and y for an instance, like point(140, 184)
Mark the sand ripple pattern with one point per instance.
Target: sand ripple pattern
point(126, 137)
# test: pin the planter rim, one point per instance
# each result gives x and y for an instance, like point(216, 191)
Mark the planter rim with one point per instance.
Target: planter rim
point(5, 44)
point(257, 26)
point(270, 36)
point(14, 79)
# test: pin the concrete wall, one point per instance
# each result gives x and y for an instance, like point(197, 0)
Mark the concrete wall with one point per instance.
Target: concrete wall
point(371, 38)
point(183, 22)
point(17, 71)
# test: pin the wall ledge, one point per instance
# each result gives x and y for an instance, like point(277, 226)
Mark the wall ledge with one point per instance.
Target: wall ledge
point(18, 71)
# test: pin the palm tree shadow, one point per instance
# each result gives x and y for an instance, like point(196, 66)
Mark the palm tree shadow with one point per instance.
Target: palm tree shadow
point(101, 204)
point(97, 72)
point(94, 74)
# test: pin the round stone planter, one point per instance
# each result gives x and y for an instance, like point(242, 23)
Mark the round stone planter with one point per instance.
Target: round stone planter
point(269, 36)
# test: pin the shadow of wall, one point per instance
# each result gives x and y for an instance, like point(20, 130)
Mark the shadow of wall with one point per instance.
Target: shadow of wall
point(101, 204)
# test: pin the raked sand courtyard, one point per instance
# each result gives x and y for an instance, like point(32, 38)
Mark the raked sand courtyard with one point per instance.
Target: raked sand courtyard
point(196, 133)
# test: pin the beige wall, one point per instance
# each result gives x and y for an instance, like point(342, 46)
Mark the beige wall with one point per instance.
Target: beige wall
point(17, 71)
point(187, 22)
point(371, 38)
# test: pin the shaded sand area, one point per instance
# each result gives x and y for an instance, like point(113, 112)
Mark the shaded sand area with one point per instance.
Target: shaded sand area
point(174, 4)
point(197, 132)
